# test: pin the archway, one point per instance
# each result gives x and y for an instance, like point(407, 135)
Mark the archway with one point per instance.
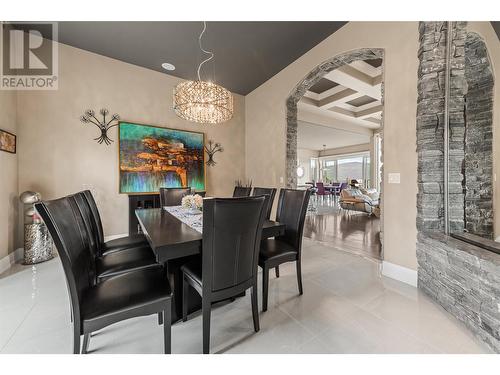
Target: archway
point(305, 84)
point(300, 90)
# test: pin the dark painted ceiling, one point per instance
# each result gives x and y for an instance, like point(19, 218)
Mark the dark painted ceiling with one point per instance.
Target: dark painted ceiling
point(246, 53)
point(496, 26)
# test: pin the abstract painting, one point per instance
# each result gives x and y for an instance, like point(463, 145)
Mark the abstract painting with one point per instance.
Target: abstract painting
point(152, 157)
point(7, 141)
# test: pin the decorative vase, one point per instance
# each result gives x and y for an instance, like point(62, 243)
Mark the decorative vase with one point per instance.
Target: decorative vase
point(193, 211)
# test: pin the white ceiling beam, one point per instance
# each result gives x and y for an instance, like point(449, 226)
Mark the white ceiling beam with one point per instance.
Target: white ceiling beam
point(366, 68)
point(358, 81)
point(341, 97)
point(327, 118)
point(312, 95)
point(374, 120)
point(309, 101)
point(369, 112)
point(330, 92)
point(309, 105)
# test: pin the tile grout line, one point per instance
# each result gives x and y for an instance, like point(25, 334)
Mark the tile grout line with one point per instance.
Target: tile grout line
point(394, 326)
point(18, 326)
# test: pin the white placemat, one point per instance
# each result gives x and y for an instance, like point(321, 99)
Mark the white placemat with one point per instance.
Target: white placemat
point(194, 220)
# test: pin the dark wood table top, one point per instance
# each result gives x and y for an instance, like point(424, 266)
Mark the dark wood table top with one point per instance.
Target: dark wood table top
point(170, 238)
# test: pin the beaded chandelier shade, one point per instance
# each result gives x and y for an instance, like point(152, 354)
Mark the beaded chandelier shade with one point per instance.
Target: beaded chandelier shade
point(202, 101)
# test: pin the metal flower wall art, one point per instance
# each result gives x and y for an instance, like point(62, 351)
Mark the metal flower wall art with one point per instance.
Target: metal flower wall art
point(89, 117)
point(211, 150)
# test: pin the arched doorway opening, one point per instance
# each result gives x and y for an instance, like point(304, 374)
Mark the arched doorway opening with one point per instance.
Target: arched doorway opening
point(348, 88)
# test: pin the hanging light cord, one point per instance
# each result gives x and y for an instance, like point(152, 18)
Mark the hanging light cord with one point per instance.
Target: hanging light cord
point(204, 51)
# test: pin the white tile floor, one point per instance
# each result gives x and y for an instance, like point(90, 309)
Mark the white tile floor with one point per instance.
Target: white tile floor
point(347, 307)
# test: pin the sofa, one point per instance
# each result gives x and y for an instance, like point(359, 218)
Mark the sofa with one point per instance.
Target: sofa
point(360, 200)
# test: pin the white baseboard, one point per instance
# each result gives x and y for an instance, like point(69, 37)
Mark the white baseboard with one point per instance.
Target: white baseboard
point(7, 261)
point(400, 273)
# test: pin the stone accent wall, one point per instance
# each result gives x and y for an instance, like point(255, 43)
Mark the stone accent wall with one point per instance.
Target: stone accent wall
point(465, 280)
point(478, 138)
point(430, 126)
point(298, 92)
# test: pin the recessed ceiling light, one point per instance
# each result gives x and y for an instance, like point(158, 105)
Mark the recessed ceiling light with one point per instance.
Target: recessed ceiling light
point(168, 66)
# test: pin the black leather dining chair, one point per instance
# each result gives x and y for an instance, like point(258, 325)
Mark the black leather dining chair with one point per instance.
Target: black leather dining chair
point(232, 230)
point(95, 306)
point(112, 245)
point(115, 262)
point(241, 191)
point(292, 207)
point(270, 193)
point(173, 196)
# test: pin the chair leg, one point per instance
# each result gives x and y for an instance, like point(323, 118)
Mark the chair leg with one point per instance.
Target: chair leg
point(265, 286)
point(86, 339)
point(167, 328)
point(206, 310)
point(185, 290)
point(277, 271)
point(160, 318)
point(299, 276)
point(76, 337)
point(255, 309)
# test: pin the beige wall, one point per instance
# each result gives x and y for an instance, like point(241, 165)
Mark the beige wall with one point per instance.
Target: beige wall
point(304, 158)
point(485, 30)
point(8, 179)
point(57, 153)
point(266, 125)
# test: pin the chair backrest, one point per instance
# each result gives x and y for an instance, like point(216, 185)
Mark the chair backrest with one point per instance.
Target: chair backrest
point(321, 188)
point(173, 196)
point(241, 191)
point(292, 207)
point(96, 217)
point(86, 214)
point(232, 229)
point(270, 193)
point(65, 225)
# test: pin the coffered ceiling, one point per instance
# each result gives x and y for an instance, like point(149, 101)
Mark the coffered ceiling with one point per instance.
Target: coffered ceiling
point(350, 93)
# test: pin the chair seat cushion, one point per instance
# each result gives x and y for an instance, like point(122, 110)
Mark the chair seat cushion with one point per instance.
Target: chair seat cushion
point(121, 243)
point(122, 261)
point(192, 269)
point(275, 251)
point(132, 294)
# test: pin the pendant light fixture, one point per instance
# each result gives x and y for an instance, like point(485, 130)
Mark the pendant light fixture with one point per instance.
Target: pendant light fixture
point(200, 101)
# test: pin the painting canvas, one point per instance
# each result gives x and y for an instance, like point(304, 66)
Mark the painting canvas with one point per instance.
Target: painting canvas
point(153, 157)
point(7, 141)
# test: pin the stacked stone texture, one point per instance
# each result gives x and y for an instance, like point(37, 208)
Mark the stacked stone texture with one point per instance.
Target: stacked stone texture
point(463, 278)
point(478, 138)
point(430, 126)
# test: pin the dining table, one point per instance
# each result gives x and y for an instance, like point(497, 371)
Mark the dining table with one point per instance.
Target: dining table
point(175, 236)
